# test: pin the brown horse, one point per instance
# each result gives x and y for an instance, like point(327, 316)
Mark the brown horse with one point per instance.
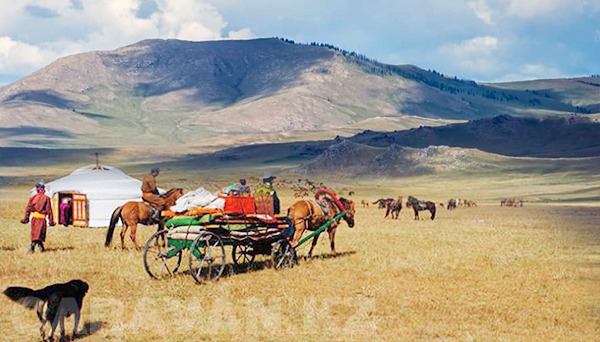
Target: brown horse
point(309, 215)
point(393, 208)
point(417, 206)
point(132, 213)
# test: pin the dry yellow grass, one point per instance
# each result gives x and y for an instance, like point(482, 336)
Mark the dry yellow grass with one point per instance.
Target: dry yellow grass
point(481, 274)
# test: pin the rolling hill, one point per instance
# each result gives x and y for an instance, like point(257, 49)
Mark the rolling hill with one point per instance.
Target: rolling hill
point(499, 145)
point(554, 137)
point(165, 93)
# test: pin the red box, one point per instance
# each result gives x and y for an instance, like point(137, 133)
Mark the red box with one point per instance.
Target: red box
point(239, 205)
point(264, 204)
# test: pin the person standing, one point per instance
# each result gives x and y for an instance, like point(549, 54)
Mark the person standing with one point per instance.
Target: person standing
point(66, 210)
point(39, 207)
point(244, 189)
point(268, 188)
point(150, 193)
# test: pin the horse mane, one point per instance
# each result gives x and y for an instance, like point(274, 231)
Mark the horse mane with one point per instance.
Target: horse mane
point(343, 201)
point(171, 191)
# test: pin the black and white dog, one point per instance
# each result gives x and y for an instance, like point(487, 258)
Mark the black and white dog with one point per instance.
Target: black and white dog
point(52, 303)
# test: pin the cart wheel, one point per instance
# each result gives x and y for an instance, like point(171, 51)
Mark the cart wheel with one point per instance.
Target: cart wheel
point(158, 262)
point(243, 255)
point(207, 257)
point(283, 254)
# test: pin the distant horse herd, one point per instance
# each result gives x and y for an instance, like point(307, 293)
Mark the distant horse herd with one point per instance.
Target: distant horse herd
point(393, 206)
point(511, 202)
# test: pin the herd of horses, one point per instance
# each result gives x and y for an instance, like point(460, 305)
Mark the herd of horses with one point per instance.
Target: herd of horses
point(511, 202)
point(393, 206)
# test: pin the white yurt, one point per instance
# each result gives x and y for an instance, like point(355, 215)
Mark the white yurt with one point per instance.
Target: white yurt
point(94, 192)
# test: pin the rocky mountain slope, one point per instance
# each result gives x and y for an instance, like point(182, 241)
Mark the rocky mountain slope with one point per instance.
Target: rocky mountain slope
point(564, 136)
point(339, 160)
point(171, 92)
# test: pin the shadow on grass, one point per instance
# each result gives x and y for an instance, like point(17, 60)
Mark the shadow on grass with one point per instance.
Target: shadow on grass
point(256, 266)
point(232, 269)
point(59, 249)
point(7, 248)
point(327, 256)
point(89, 328)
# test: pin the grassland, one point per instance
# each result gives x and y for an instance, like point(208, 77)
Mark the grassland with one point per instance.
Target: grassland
point(475, 274)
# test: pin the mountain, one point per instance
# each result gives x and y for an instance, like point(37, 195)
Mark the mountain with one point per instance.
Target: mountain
point(339, 159)
point(164, 93)
point(561, 136)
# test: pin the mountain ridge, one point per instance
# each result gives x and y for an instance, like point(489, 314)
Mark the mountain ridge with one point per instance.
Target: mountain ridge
point(172, 92)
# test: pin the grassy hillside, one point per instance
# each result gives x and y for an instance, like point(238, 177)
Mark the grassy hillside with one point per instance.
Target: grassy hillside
point(564, 136)
point(170, 93)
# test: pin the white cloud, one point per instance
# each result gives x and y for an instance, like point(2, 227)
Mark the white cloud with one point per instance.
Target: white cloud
point(241, 34)
point(18, 57)
point(528, 9)
point(99, 25)
point(472, 56)
point(482, 11)
point(474, 47)
point(531, 72)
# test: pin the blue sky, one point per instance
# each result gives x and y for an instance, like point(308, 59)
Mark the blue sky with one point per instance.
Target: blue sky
point(483, 40)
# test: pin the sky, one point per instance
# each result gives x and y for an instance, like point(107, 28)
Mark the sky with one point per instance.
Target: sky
point(482, 40)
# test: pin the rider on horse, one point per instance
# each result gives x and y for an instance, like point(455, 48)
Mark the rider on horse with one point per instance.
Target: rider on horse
point(151, 195)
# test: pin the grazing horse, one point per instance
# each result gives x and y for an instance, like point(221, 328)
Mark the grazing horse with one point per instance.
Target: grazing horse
point(132, 213)
point(394, 207)
point(420, 206)
point(310, 215)
point(383, 202)
point(451, 204)
point(364, 203)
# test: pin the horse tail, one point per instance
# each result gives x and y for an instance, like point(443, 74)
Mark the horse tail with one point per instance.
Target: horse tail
point(433, 212)
point(116, 215)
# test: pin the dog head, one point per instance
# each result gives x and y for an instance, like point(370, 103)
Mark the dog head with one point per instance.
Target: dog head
point(80, 285)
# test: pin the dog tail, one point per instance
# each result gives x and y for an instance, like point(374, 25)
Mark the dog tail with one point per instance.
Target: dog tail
point(114, 219)
point(23, 295)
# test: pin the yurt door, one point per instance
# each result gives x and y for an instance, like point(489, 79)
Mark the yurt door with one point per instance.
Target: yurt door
point(80, 210)
point(55, 208)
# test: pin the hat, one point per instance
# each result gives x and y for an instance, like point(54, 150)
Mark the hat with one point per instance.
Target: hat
point(40, 184)
point(155, 170)
point(268, 176)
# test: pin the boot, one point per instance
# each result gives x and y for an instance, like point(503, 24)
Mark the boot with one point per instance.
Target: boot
point(42, 248)
point(156, 214)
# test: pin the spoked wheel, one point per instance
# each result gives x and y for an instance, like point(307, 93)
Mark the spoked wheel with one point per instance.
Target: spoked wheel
point(243, 255)
point(283, 254)
point(207, 257)
point(161, 260)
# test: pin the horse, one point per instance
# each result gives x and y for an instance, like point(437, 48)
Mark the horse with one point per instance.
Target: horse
point(132, 213)
point(420, 206)
point(365, 203)
point(394, 207)
point(309, 215)
point(383, 202)
point(451, 204)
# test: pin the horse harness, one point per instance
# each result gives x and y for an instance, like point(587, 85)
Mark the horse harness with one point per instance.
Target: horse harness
point(324, 209)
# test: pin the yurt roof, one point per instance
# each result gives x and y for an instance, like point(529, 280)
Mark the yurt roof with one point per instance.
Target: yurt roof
point(98, 182)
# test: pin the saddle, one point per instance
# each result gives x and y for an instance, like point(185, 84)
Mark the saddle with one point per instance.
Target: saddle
point(324, 207)
point(155, 213)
